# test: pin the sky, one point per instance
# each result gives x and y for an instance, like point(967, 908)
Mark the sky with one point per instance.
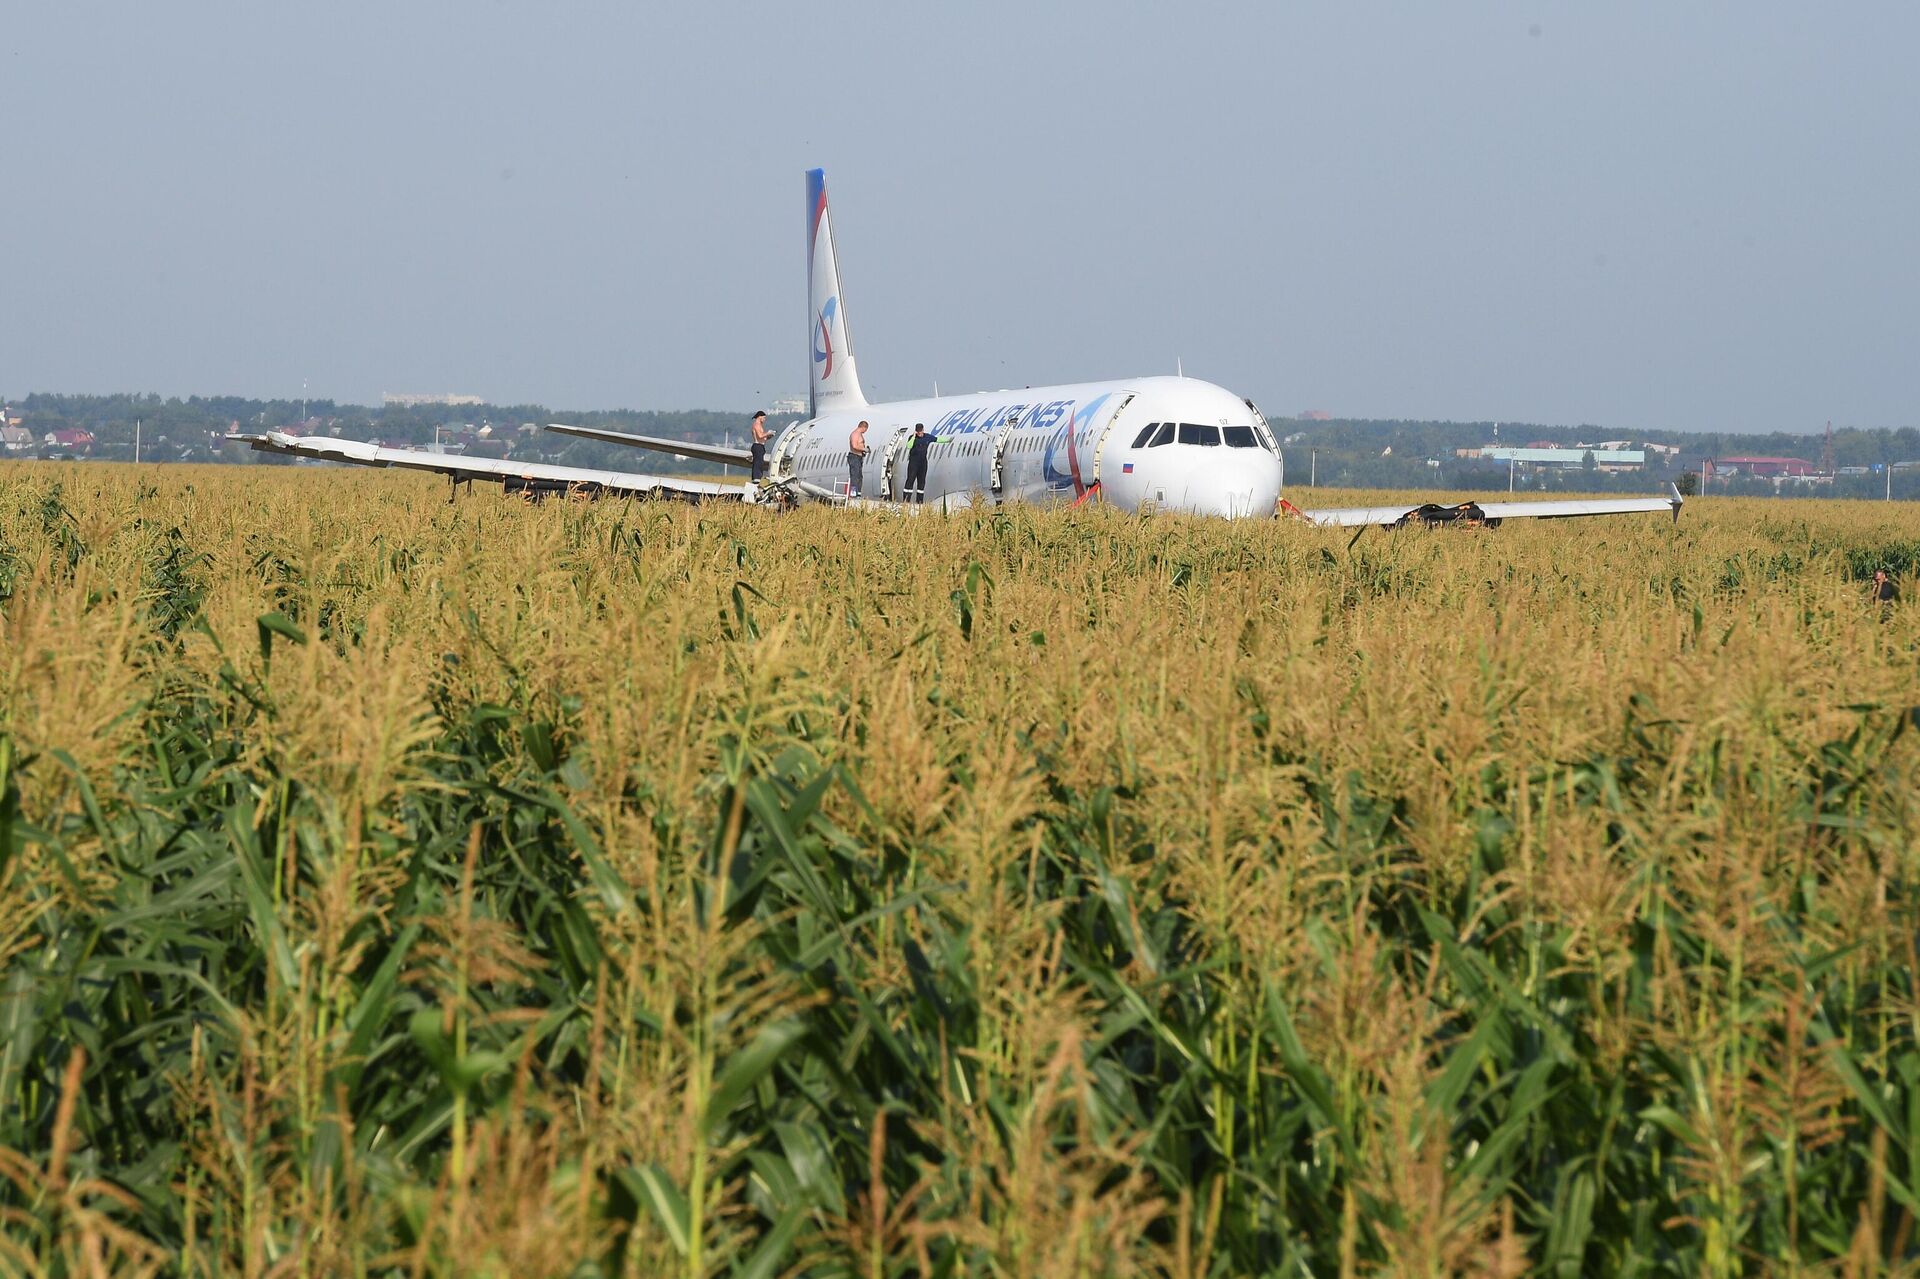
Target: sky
point(1638, 215)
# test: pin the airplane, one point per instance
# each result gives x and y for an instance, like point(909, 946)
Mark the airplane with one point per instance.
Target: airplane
point(1146, 444)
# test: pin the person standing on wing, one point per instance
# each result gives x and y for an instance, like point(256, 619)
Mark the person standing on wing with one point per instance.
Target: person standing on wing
point(856, 457)
point(760, 438)
point(916, 490)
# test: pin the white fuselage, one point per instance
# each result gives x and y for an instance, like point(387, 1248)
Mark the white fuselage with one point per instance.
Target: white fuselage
point(1156, 443)
point(1141, 444)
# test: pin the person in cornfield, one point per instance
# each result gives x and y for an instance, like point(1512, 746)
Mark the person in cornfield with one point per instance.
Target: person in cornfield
point(1885, 591)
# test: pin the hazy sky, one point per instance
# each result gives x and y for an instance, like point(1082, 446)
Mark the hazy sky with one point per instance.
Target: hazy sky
point(1666, 215)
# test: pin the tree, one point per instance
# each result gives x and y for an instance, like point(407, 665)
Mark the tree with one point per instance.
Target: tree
point(1587, 462)
point(1688, 484)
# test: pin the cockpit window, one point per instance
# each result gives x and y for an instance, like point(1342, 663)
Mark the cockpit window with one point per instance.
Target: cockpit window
point(1193, 433)
point(1163, 436)
point(1146, 433)
point(1240, 437)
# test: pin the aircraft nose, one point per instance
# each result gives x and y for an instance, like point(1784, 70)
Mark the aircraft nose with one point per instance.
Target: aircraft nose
point(1237, 483)
point(1253, 490)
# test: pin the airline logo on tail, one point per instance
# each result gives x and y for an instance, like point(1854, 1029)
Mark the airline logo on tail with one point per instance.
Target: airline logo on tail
point(836, 384)
point(823, 349)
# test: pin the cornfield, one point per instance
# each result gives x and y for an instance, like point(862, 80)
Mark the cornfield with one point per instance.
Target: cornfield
point(391, 886)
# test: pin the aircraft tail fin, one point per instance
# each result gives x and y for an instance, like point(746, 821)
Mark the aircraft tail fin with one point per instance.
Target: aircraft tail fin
point(836, 383)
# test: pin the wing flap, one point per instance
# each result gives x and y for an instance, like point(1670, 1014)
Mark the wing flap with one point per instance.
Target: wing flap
point(679, 448)
point(361, 453)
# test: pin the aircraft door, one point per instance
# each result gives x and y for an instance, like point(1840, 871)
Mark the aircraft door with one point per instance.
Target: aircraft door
point(893, 465)
point(1100, 442)
point(780, 463)
point(1002, 435)
point(1261, 428)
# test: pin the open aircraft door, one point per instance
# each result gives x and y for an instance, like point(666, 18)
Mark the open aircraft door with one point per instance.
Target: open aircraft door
point(1105, 429)
point(1261, 429)
point(893, 466)
point(997, 474)
point(780, 457)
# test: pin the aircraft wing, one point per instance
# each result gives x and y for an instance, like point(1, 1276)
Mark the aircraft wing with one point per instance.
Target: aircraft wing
point(681, 448)
point(538, 476)
point(1494, 512)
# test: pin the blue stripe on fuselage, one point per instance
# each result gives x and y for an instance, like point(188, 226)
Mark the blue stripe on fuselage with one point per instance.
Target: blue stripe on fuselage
point(1062, 414)
point(987, 417)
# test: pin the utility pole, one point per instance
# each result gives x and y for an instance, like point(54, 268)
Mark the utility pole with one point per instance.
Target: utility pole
point(1509, 467)
point(1313, 467)
point(136, 441)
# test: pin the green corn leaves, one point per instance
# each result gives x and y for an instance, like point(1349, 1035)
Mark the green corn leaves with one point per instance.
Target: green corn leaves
point(492, 889)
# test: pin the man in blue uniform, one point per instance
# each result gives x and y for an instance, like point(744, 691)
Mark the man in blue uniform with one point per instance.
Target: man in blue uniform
point(916, 489)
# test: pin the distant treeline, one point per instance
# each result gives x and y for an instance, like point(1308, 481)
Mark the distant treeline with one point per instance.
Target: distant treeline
point(190, 429)
point(1346, 453)
point(1367, 453)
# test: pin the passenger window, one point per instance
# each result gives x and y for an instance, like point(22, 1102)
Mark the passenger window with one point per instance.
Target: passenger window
point(1146, 433)
point(1194, 433)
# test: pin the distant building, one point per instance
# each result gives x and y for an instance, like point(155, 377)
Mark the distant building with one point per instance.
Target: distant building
point(9, 416)
point(15, 438)
point(788, 404)
point(72, 439)
point(1314, 415)
point(1533, 455)
point(408, 401)
point(1761, 467)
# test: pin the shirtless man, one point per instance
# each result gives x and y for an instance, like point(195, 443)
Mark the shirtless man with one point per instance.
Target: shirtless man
point(760, 438)
point(856, 457)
